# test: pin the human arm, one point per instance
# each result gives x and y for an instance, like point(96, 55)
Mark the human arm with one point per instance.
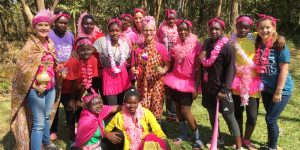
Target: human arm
point(155, 127)
point(112, 136)
point(284, 69)
point(280, 42)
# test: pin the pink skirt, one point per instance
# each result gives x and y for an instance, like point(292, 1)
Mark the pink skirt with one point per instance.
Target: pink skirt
point(114, 84)
point(182, 84)
point(153, 142)
point(254, 86)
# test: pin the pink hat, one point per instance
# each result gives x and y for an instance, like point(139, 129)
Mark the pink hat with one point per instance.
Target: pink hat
point(86, 99)
point(43, 15)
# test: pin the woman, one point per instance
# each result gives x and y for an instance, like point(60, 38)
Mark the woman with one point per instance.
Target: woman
point(272, 65)
point(34, 86)
point(63, 42)
point(114, 53)
point(153, 62)
point(138, 15)
point(127, 33)
point(136, 123)
point(181, 79)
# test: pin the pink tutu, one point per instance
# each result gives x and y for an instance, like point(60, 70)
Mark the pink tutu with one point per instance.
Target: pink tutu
point(182, 84)
point(254, 87)
point(113, 83)
point(153, 142)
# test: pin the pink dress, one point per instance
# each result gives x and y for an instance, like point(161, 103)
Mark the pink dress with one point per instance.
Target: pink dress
point(182, 77)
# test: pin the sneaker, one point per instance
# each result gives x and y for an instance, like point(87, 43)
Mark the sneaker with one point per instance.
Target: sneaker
point(198, 145)
point(265, 147)
point(248, 144)
point(53, 136)
point(51, 146)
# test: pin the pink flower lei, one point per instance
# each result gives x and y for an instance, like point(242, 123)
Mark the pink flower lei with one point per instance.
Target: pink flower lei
point(261, 58)
point(133, 127)
point(215, 52)
point(169, 34)
point(112, 58)
point(86, 74)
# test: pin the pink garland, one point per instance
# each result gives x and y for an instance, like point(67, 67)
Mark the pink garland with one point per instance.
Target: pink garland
point(133, 127)
point(112, 56)
point(261, 58)
point(215, 52)
point(86, 74)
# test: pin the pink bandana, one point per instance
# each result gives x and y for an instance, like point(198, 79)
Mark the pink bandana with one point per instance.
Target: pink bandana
point(179, 21)
point(263, 17)
point(136, 10)
point(57, 16)
point(116, 20)
point(86, 99)
point(169, 12)
point(82, 41)
point(244, 19)
point(148, 20)
point(126, 15)
point(214, 20)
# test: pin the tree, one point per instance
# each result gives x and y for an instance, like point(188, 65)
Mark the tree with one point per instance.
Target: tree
point(234, 13)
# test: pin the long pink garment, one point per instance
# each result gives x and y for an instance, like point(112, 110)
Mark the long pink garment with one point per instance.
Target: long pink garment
point(89, 123)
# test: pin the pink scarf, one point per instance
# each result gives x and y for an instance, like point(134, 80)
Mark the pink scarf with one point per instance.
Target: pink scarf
point(89, 123)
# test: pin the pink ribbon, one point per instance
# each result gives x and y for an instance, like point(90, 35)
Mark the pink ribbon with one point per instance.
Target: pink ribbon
point(136, 10)
point(214, 20)
point(169, 12)
point(244, 19)
point(116, 20)
point(179, 21)
point(83, 40)
point(126, 15)
point(214, 140)
point(263, 17)
point(86, 99)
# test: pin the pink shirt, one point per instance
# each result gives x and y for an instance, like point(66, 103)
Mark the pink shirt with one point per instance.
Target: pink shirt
point(161, 49)
point(49, 70)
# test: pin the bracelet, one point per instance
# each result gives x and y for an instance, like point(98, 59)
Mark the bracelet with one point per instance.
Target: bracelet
point(278, 92)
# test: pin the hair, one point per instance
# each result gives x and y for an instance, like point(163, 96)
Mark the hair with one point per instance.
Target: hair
point(183, 22)
point(111, 24)
point(275, 35)
point(131, 92)
point(87, 17)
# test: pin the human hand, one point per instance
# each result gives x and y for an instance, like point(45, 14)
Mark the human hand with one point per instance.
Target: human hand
point(161, 70)
point(75, 54)
point(134, 70)
point(113, 137)
point(40, 88)
point(222, 96)
point(277, 96)
point(280, 43)
point(71, 105)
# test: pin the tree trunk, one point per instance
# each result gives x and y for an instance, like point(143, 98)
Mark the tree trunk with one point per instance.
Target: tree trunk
point(144, 5)
point(234, 13)
point(219, 10)
point(3, 25)
point(27, 11)
point(40, 4)
point(157, 10)
point(55, 3)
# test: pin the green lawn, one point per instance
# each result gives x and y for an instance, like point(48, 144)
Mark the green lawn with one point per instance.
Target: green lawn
point(289, 121)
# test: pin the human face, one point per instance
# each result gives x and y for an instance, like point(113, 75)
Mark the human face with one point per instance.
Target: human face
point(88, 25)
point(85, 51)
point(242, 28)
point(215, 30)
point(266, 29)
point(183, 31)
point(114, 31)
point(95, 105)
point(137, 19)
point(149, 32)
point(131, 104)
point(126, 22)
point(61, 24)
point(42, 29)
point(171, 20)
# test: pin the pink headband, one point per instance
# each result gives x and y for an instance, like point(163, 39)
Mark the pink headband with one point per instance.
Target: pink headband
point(169, 12)
point(42, 16)
point(179, 21)
point(116, 20)
point(148, 20)
point(263, 17)
point(82, 41)
point(126, 15)
point(214, 20)
point(136, 10)
point(244, 19)
point(57, 16)
point(86, 99)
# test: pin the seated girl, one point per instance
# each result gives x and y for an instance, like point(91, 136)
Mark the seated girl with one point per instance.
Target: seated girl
point(90, 128)
point(135, 122)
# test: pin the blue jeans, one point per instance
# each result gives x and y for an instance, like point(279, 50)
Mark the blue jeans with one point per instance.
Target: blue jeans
point(273, 111)
point(41, 106)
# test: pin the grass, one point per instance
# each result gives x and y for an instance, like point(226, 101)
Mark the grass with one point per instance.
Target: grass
point(289, 121)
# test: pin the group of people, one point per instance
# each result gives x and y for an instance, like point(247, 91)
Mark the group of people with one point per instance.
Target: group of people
point(128, 73)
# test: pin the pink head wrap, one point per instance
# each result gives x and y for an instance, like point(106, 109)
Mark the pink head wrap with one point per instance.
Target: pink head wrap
point(83, 40)
point(42, 16)
point(126, 15)
point(136, 10)
point(179, 21)
point(57, 16)
point(214, 20)
point(169, 12)
point(116, 20)
point(148, 20)
point(86, 99)
point(263, 17)
point(244, 19)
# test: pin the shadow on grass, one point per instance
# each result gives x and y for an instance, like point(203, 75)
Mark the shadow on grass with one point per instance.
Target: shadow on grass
point(8, 141)
point(283, 117)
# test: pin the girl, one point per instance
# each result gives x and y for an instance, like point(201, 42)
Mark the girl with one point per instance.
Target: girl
point(34, 86)
point(127, 33)
point(138, 15)
point(153, 62)
point(135, 122)
point(181, 79)
point(81, 72)
point(114, 53)
point(272, 65)
point(63, 42)
point(90, 130)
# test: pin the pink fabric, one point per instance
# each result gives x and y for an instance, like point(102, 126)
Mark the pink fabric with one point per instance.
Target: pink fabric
point(167, 35)
point(136, 10)
point(89, 123)
point(57, 16)
point(86, 99)
point(126, 15)
point(254, 87)
point(182, 77)
point(161, 49)
point(169, 12)
point(148, 20)
point(91, 147)
point(263, 17)
point(116, 20)
point(153, 138)
point(130, 37)
point(113, 83)
point(43, 15)
point(212, 21)
point(96, 33)
point(244, 19)
point(189, 23)
point(49, 70)
point(86, 41)
point(140, 37)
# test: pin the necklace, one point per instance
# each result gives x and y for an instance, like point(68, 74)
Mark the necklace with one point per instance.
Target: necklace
point(261, 58)
point(112, 56)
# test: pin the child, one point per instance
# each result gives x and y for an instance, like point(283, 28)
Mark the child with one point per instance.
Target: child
point(90, 128)
point(135, 122)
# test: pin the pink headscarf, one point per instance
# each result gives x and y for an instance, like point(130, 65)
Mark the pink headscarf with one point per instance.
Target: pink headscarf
point(81, 32)
point(136, 10)
point(263, 17)
point(86, 99)
point(83, 40)
point(116, 20)
point(57, 16)
point(169, 12)
point(148, 20)
point(214, 20)
point(126, 15)
point(244, 19)
point(179, 21)
point(42, 16)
